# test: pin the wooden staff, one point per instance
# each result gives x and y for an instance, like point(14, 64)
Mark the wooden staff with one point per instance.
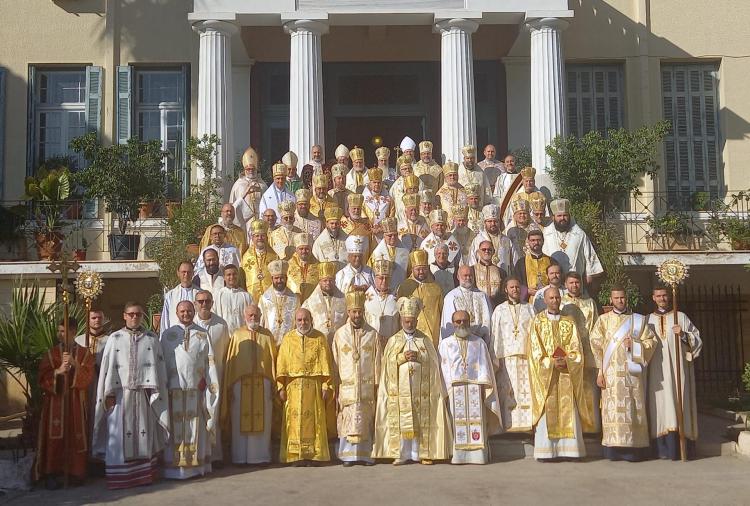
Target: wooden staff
point(678, 374)
point(509, 195)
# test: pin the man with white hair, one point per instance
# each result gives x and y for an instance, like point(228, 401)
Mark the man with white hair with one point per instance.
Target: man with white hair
point(248, 190)
point(491, 166)
point(468, 298)
point(411, 393)
point(282, 239)
point(381, 308)
point(356, 353)
point(304, 219)
point(303, 267)
point(469, 172)
point(357, 224)
point(340, 193)
point(330, 246)
point(235, 235)
point(378, 204)
point(293, 182)
point(383, 155)
point(394, 249)
point(278, 303)
point(356, 179)
point(443, 271)
point(420, 285)
point(427, 169)
point(355, 275)
point(493, 232)
point(469, 377)
point(452, 193)
point(441, 235)
point(527, 191)
point(316, 159)
point(248, 390)
point(411, 225)
point(461, 231)
point(277, 192)
point(326, 303)
point(569, 245)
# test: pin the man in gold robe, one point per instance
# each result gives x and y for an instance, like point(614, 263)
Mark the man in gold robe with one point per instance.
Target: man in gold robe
point(282, 239)
point(583, 310)
point(356, 224)
point(411, 420)
point(340, 193)
point(256, 259)
point(623, 343)
point(556, 366)
point(320, 200)
point(303, 267)
point(356, 352)
point(236, 236)
point(531, 268)
point(330, 246)
point(427, 169)
point(248, 390)
point(420, 286)
point(278, 303)
point(303, 218)
point(411, 225)
point(305, 380)
point(451, 193)
point(326, 303)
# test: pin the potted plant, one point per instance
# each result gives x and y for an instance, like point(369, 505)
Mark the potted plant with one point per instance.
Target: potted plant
point(725, 223)
point(77, 243)
point(124, 176)
point(154, 306)
point(672, 231)
point(47, 192)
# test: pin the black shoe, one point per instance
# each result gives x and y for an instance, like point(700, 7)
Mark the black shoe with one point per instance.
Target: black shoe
point(368, 463)
point(51, 483)
point(348, 464)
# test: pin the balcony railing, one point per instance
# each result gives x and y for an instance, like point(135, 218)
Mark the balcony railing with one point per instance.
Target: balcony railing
point(682, 221)
point(85, 227)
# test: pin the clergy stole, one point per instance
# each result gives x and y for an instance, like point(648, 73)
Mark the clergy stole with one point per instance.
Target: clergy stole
point(557, 393)
point(467, 409)
point(536, 272)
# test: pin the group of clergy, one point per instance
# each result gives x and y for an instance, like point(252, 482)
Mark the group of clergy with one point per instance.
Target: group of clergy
point(398, 310)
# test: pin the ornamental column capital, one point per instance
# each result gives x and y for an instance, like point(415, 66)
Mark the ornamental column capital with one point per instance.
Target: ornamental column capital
point(314, 26)
point(465, 25)
point(558, 24)
point(225, 27)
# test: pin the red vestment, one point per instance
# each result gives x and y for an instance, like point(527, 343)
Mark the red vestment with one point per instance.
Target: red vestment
point(64, 416)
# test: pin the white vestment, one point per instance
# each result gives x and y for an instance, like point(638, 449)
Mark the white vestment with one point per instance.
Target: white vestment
point(331, 249)
point(351, 182)
point(209, 282)
point(432, 241)
point(277, 312)
point(190, 369)
point(578, 253)
point(469, 378)
point(476, 303)
point(271, 199)
point(503, 256)
point(328, 311)
point(381, 313)
point(399, 258)
point(228, 255)
point(511, 325)
point(171, 299)
point(476, 176)
point(349, 276)
point(246, 206)
point(310, 225)
point(445, 277)
point(229, 303)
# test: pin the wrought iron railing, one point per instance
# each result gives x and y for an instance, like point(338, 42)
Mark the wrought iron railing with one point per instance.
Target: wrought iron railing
point(84, 229)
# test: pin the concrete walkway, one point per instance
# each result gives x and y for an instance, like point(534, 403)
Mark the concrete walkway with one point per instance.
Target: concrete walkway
point(712, 480)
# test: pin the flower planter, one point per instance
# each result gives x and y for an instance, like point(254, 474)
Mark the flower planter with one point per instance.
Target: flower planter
point(124, 247)
point(155, 322)
point(171, 206)
point(49, 245)
point(673, 242)
point(740, 244)
point(193, 250)
point(79, 255)
point(146, 210)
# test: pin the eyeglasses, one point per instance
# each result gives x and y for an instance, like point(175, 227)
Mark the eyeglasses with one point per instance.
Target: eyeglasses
point(488, 250)
point(202, 301)
point(133, 314)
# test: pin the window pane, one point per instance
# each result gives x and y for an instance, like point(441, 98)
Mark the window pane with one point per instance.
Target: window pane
point(62, 87)
point(149, 125)
point(159, 86)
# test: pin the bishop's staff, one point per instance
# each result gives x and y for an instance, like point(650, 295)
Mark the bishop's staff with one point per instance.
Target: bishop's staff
point(65, 266)
point(673, 273)
point(89, 285)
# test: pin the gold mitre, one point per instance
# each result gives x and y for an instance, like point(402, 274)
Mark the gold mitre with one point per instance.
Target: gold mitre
point(287, 208)
point(409, 306)
point(258, 227)
point(339, 169)
point(469, 150)
point(302, 239)
point(290, 159)
point(528, 173)
point(559, 206)
point(333, 213)
point(375, 174)
point(320, 181)
point(410, 200)
point(278, 268)
point(418, 258)
point(450, 168)
point(279, 169)
point(472, 190)
point(460, 211)
point(438, 216)
point(390, 225)
point(382, 153)
point(404, 160)
point(411, 181)
point(341, 151)
point(326, 270)
point(250, 158)
point(537, 201)
point(425, 147)
point(357, 154)
point(303, 195)
point(382, 267)
point(519, 205)
point(355, 199)
point(355, 299)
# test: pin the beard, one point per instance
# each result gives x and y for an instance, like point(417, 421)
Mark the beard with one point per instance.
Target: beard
point(562, 226)
point(212, 269)
point(466, 284)
point(225, 222)
point(462, 332)
point(253, 325)
point(304, 329)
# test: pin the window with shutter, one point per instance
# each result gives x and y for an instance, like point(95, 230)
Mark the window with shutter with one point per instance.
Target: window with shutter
point(93, 99)
point(691, 148)
point(124, 103)
point(595, 98)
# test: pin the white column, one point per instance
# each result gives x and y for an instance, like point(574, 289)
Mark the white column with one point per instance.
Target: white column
point(306, 122)
point(547, 90)
point(458, 113)
point(215, 91)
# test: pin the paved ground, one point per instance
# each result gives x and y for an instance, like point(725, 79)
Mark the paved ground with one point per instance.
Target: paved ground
point(715, 480)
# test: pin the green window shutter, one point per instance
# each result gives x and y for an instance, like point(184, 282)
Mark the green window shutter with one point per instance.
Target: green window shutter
point(124, 103)
point(94, 99)
point(2, 130)
point(594, 98)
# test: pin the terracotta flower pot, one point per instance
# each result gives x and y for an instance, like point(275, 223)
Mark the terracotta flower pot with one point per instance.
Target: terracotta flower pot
point(79, 254)
point(49, 245)
point(155, 322)
point(146, 210)
point(193, 250)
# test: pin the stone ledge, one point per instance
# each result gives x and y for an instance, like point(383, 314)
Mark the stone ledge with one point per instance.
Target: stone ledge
point(108, 269)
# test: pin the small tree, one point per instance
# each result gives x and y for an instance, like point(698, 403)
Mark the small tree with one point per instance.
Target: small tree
point(124, 175)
